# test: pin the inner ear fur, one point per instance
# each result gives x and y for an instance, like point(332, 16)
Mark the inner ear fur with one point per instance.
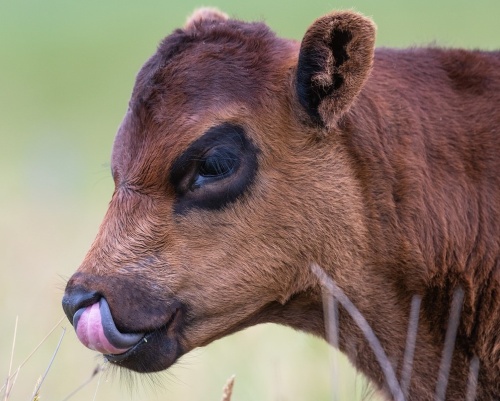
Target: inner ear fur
point(335, 59)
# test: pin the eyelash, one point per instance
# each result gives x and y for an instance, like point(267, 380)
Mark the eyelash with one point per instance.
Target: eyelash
point(217, 164)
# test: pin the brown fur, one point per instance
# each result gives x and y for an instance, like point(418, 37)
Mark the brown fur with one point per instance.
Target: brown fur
point(388, 177)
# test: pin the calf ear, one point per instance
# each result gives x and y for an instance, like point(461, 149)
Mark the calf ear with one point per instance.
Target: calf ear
point(335, 59)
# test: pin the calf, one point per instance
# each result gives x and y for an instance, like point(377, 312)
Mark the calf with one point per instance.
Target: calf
point(244, 159)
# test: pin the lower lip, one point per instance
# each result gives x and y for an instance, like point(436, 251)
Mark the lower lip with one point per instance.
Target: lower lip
point(117, 358)
point(121, 357)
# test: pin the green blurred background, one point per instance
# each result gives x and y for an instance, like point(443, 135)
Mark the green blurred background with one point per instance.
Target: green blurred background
point(66, 72)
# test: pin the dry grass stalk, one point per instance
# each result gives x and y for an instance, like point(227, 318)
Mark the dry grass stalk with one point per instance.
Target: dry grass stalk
point(330, 311)
point(449, 344)
point(36, 391)
point(13, 377)
point(37, 388)
point(411, 340)
point(98, 369)
point(227, 390)
point(359, 319)
point(8, 384)
point(400, 390)
point(472, 380)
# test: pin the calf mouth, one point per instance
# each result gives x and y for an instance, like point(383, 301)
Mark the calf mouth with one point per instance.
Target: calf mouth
point(156, 350)
point(145, 351)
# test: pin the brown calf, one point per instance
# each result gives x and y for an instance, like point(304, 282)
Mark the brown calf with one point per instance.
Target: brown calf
point(244, 159)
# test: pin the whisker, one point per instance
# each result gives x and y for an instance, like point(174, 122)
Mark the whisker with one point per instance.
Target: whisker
point(98, 385)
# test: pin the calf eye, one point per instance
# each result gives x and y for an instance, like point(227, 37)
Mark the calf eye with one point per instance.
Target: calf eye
point(217, 164)
point(214, 170)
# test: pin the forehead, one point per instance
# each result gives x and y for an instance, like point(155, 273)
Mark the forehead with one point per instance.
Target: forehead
point(212, 62)
point(205, 72)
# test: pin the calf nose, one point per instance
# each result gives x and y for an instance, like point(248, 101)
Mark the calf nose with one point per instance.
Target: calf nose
point(76, 298)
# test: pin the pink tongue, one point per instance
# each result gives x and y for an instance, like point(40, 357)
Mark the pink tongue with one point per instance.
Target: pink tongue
point(91, 333)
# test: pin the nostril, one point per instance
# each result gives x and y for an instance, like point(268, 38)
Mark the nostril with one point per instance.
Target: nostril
point(76, 298)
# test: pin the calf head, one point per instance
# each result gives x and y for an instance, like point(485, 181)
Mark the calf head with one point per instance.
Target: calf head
point(229, 182)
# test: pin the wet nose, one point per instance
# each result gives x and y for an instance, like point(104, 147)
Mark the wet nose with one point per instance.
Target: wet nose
point(76, 298)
